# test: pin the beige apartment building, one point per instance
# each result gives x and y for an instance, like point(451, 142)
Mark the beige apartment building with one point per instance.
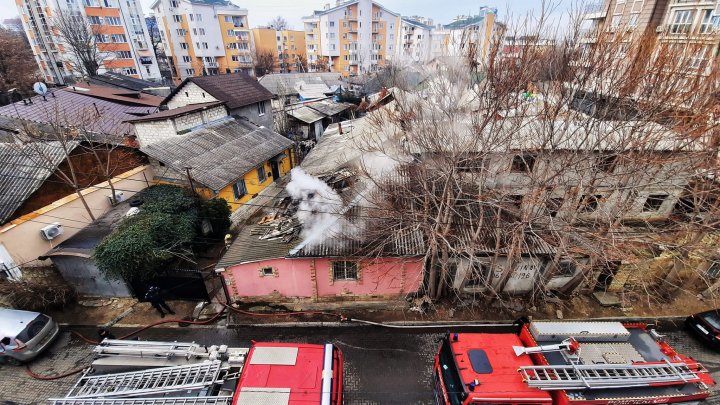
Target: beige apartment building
point(205, 37)
point(119, 32)
point(694, 24)
point(287, 46)
point(354, 37)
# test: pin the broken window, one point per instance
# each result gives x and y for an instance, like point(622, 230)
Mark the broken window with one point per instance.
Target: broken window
point(653, 202)
point(344, 270)
point(479, 275)
point(566, 268)
point(606, 163)
point(239, 189)
point(589, 203)
point(522, 164)
point(552, 205)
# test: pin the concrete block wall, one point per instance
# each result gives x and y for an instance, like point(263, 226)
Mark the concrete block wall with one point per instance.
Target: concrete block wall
point(190, 93)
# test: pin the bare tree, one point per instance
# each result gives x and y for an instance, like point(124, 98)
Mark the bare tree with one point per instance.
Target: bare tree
point(83, 41)
point(265, 63)
point(278, 24)
point(17, 66)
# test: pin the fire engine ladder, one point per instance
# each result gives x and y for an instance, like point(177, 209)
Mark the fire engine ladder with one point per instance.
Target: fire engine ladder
point(155, 381)
point(224, 400)
point(113, 347)
point(598, 376)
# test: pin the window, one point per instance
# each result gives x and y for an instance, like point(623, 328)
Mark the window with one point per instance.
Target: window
point(522, 164)
point(566, 269)
point(514, 200)
point(699, 58)
point(682, 21)
point(190, 72)
point(173, 3)
point(615, 22)
point(93, 19)
point(261, 174)
point(186, 59)
point(101, 38)
point(706, 22)
point(205, 45)
point(198, 17)
point(130, 71)
point(118, 38)
point(192, 18)
point(180, 32)
point(267, 271)
point(332, 23)
point(589, 203)
point(239, 189)
point(243, 45)
point(201, 31)
point(633, 21)
point(714, 270)
point(228, 19)
point(553, 205)
point(606, 163)
point(654, 202)
point(261, 108)
point(123, 55)
point(344, 270)
point(177, 18)
point(183, 45)
point(113, 21)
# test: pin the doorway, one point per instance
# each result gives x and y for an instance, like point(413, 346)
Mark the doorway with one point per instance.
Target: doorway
point(275, 167)
point(607, 275)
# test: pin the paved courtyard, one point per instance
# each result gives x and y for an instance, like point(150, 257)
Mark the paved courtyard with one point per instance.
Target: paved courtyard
point(382, 366)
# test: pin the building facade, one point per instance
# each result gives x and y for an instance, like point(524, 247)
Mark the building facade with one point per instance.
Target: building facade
point(119, 33)
point(415, 40)
point(287, 47)
point(204, 37)
point(466, 35)
point(352, 38)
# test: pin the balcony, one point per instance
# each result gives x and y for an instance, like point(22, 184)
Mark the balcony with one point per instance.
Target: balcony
point(595, 11)
point(211, 65)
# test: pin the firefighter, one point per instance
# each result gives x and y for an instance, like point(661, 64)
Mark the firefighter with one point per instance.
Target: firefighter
point(154, 295)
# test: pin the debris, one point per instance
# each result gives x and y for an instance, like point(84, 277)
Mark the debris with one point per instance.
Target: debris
point(421, 304)
point(559, 314)
point(451, 313)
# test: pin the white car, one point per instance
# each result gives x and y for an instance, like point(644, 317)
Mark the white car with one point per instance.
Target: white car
point(24, 334)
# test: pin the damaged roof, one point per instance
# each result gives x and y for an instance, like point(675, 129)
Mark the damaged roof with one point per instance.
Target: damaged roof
point(24, 168)
point(286, 83)
point(221, 152)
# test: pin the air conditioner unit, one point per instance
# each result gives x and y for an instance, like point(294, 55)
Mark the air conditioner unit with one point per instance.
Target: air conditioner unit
point(660, 28)
point(52, 231)
point(119, 197)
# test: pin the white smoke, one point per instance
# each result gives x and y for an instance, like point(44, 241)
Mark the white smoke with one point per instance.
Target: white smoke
point(320, 207)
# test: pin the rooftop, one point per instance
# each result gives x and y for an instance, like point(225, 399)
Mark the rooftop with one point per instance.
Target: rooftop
point(286, 83)
point(23, 169)
point(416, 23)
point(130, 83)
point(176, 112)
point(221, 152)
point(123, 96)
point(235, 89)
point(104, 119)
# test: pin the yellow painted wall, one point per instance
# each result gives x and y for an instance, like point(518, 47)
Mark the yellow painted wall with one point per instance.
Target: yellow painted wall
point(228, 63)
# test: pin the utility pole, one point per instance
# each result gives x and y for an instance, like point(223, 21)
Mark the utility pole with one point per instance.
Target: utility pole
point(192, 186)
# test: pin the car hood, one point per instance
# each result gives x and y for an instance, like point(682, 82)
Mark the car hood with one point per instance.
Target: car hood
point(13, 321)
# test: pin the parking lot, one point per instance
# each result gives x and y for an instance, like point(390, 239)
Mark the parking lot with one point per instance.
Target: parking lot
point(382, 366)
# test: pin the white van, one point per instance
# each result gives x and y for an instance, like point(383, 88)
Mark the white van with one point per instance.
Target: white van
point(24, 334)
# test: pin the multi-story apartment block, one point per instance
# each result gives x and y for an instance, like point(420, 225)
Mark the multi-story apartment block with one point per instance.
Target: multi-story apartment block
point(287, 46)
point(118, 28)
point(204, 37)
point(415, 39)
point(467, 35)
point(354, 37)
point(695, 25)
point(608, 19)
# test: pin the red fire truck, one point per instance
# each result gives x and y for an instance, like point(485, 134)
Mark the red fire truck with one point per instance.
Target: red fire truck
point(566, 363)
point(172, 373)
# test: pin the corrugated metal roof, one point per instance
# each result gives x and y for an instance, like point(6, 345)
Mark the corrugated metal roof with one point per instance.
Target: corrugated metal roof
point(310, 91)
point(329, 107)
point(305, 114)
point(221, 152)
point(23, 169)
point(176, 112)
point(285, 83)
point(70, 109)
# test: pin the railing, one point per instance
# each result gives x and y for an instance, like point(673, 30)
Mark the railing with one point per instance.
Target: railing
point(595, 7)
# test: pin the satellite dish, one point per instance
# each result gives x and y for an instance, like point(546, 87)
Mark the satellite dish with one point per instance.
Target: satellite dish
point(40, 88)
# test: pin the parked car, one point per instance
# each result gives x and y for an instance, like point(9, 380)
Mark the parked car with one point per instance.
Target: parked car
point(706, 325)
point(24, 334)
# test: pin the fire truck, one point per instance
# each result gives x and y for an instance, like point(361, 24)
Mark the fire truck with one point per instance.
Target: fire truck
point(172, 373)
point(566, 363)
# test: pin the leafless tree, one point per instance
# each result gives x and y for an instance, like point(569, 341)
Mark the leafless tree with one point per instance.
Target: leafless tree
point(265, 63)
point(84, 41)
point(278, 24)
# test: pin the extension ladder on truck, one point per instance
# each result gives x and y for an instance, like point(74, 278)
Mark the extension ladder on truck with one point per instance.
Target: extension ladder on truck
point(113, 347)
point(598, 376)
point(145, 401)
point(155, 381)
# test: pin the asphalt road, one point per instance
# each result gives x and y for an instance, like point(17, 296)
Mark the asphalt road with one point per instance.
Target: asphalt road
point(382, 366)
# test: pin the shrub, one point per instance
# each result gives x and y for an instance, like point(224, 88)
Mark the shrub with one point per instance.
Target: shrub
point(34, 295)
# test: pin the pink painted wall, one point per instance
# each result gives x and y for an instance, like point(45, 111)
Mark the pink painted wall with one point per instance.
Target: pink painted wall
point(293, 278)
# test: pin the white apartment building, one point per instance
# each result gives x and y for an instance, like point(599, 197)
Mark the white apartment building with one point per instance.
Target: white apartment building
point(205, 37)
point(117, 25)
point(466, 34)
point(415, 40)
point(354, 37)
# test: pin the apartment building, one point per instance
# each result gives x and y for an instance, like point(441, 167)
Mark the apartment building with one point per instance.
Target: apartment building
point(204, 37)
point(695, 25)
point(415, 39)
point(118, 28)
point(466, 35)
point(287, 46)
point(609, 18)
point(354, 37)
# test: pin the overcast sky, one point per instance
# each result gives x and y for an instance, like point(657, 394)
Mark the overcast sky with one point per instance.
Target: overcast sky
point(441, 11)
